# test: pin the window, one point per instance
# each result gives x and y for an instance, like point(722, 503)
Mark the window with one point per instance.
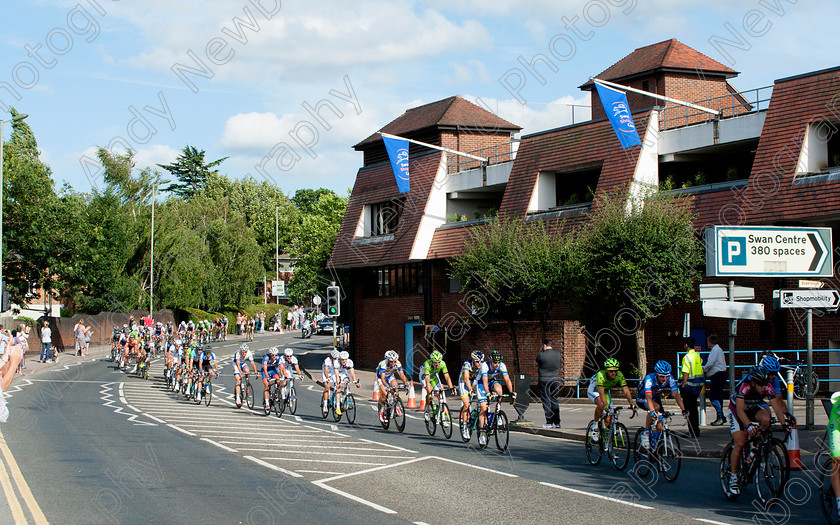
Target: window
point(576, 187)
point(403, 279)
point(645, 85)
point(385, 217)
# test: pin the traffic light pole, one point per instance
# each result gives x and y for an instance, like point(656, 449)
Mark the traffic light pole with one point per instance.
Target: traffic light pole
point(335, 341)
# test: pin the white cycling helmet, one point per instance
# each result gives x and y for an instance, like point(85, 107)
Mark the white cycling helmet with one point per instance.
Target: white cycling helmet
point(273, 350)
point(344, 355)
point(391, 355)
point(334, 354)
point(289, 352)
point(244, 347)
point(834, 397)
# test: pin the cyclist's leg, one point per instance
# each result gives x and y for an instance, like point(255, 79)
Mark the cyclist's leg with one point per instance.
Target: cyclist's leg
point(482, 401)
point(265, 388)
point(657, 407)
point(763, 416)
point(465, 400)
point(739, 439)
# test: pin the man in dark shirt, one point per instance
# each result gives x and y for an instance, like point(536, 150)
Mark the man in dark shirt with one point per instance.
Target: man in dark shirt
point(548, 363)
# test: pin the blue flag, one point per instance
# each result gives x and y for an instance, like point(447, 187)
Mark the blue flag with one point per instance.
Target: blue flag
point(618, 111)
point(398, 153)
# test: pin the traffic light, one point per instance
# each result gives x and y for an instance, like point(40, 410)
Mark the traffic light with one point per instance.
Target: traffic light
point(333, 301)
point(5, 298)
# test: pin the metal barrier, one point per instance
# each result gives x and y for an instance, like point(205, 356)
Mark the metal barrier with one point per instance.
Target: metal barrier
point(730, 105)
point(585, 381)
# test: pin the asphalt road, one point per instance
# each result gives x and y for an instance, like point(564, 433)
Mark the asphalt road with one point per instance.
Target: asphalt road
point(95, 445)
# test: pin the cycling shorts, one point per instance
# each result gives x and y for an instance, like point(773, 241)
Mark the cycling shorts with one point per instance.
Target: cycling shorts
point(272, 373)
point(735, 424)
point(642, 403)
point(434, 380)
point(480, 393)
point(237, 367)
point(388, 379)
point(593, 396)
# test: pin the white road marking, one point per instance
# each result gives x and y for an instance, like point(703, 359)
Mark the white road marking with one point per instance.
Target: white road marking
point(327, 461)
point(179, 429)
point(320, 446)
point(219, 445)
point(584, 493)
point(389, 446)
point(370, 504)
point(317, 471)
point(711, 521)
point(399, 464)
point(352, 454)
point(273, 467)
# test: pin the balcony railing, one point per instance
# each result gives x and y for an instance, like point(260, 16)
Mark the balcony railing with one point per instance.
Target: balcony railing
point(494, 154)
point(730, 105)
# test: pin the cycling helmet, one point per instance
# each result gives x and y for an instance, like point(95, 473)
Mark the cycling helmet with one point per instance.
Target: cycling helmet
point(436, 356)
point(391, 355)
point(273, 350)
point(770, 363)
point(334, 354)
point(834, 397)
point(344, 355)
point(611, 364)
point(758, 375)
point(662, 368)
point(476, 355)
point(496, 356)
point(289, 352)
point(243, 347)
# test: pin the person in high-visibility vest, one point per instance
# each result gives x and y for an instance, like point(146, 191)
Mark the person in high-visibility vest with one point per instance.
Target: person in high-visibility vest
point(834, 447)
point(692, 384)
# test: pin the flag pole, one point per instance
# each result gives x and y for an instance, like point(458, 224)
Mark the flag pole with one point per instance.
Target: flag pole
point(474, 157)
point(654, 95)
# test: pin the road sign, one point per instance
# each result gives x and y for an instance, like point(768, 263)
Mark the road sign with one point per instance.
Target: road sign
point(814, 285)
point(721, 292)
point(768, 251)
point(825, 299)
point(278, 288)
point(733, 310)
point(316, 300)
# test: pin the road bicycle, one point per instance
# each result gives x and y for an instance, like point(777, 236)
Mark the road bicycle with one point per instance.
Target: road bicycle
point(143, 366)
point(275, 399)
point(436, 414)
point(347, 403)
point(246, 392)
point(291, 396)
point(612, 440)
point(204, 388)
point(663, 451)
point(393, 409)
point(497, 424)
point(168, 372)
point(760, 464)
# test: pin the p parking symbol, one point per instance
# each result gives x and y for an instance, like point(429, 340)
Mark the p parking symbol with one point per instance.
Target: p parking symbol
point(734, 251)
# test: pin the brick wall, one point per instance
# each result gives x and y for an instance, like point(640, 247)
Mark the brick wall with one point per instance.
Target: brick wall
point(102, 324)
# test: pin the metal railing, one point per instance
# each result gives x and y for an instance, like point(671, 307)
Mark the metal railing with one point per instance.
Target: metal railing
point(495, 154)
point(582, 383)
point(730, 105)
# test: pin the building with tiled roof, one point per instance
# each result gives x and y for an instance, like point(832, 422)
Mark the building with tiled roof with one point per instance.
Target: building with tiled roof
point(770, 157)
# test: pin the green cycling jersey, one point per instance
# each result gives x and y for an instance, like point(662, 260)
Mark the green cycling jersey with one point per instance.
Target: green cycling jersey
point(834, 430)
point(602, 379)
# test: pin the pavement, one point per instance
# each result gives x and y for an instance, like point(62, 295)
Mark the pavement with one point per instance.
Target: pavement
point(575, 414)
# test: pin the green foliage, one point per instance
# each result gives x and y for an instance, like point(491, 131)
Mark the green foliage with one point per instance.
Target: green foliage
point(191, 171)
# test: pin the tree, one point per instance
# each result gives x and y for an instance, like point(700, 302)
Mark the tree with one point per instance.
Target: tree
point(191, 171)
point(639, 258)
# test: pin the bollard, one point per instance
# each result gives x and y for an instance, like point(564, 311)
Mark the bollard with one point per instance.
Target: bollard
point(703, 406)
point(790, 389)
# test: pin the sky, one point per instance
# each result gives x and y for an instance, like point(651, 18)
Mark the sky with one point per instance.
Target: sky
point(284, 89)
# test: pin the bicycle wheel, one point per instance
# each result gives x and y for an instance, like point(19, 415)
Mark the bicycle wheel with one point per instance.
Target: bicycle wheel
point(335, 411)
point(385, 417)
point(620, 444)
point(445, 421)
point(769, 478)
point(199, 389)
point(293, 401)
point(267, 407)
point(350, 408)
point(208, 394)
point(500, 422)
point(780, 447)
point(465, 427)
point(430, 418)
point(249, 396)
point(641, 456)
point(799, 387)
point(826, 495)
point(399, 415)
point(725, 467)
point(279, 402)
point(593, 448)
point(669, 455)
point(325, 408)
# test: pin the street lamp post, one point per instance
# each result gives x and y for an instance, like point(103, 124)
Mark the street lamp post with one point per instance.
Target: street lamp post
point(152, 257)
point(16, 118)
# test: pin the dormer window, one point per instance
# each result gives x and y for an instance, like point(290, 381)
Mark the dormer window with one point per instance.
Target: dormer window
point(380, 218)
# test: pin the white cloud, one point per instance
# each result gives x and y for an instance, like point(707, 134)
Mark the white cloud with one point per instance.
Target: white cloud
point(465, 72)
point(155, 154)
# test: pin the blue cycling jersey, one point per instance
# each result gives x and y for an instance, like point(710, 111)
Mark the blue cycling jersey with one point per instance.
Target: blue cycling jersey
point(651, 384)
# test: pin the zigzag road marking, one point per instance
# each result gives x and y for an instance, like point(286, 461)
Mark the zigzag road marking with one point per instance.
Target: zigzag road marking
point(108, 401)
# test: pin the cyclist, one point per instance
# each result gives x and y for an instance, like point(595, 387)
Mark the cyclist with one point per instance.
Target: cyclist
point(466, 383)
point(770, 363)
point(346, 373)
point(241, 358)
point(329, 374)
point(649, 395)
point(491, 375)
point(833, 431)
point(207, 360)
point(290, 364)
point(385, 371)
point(599, 393)
point(429, 377)
point(745, 407)
point(272, 369)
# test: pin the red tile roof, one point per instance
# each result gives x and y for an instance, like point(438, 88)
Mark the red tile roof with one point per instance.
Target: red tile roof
point(452, 111)
point(374, 184)
point(668, 55)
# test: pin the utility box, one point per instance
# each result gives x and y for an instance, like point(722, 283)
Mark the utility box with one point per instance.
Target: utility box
point(522, 387)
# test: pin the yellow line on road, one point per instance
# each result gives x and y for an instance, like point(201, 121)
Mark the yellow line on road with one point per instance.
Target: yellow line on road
point(23, 488)
point(17, 511)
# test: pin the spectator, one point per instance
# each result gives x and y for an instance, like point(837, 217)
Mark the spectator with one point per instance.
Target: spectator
point(548, 363)
point(262, 321)
point(11, 353)
point(88, 333)
point(23, 336)
point(79, 334)
point(46, 341)
point(715, 370)
point(692, 384)
point(289, 319)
